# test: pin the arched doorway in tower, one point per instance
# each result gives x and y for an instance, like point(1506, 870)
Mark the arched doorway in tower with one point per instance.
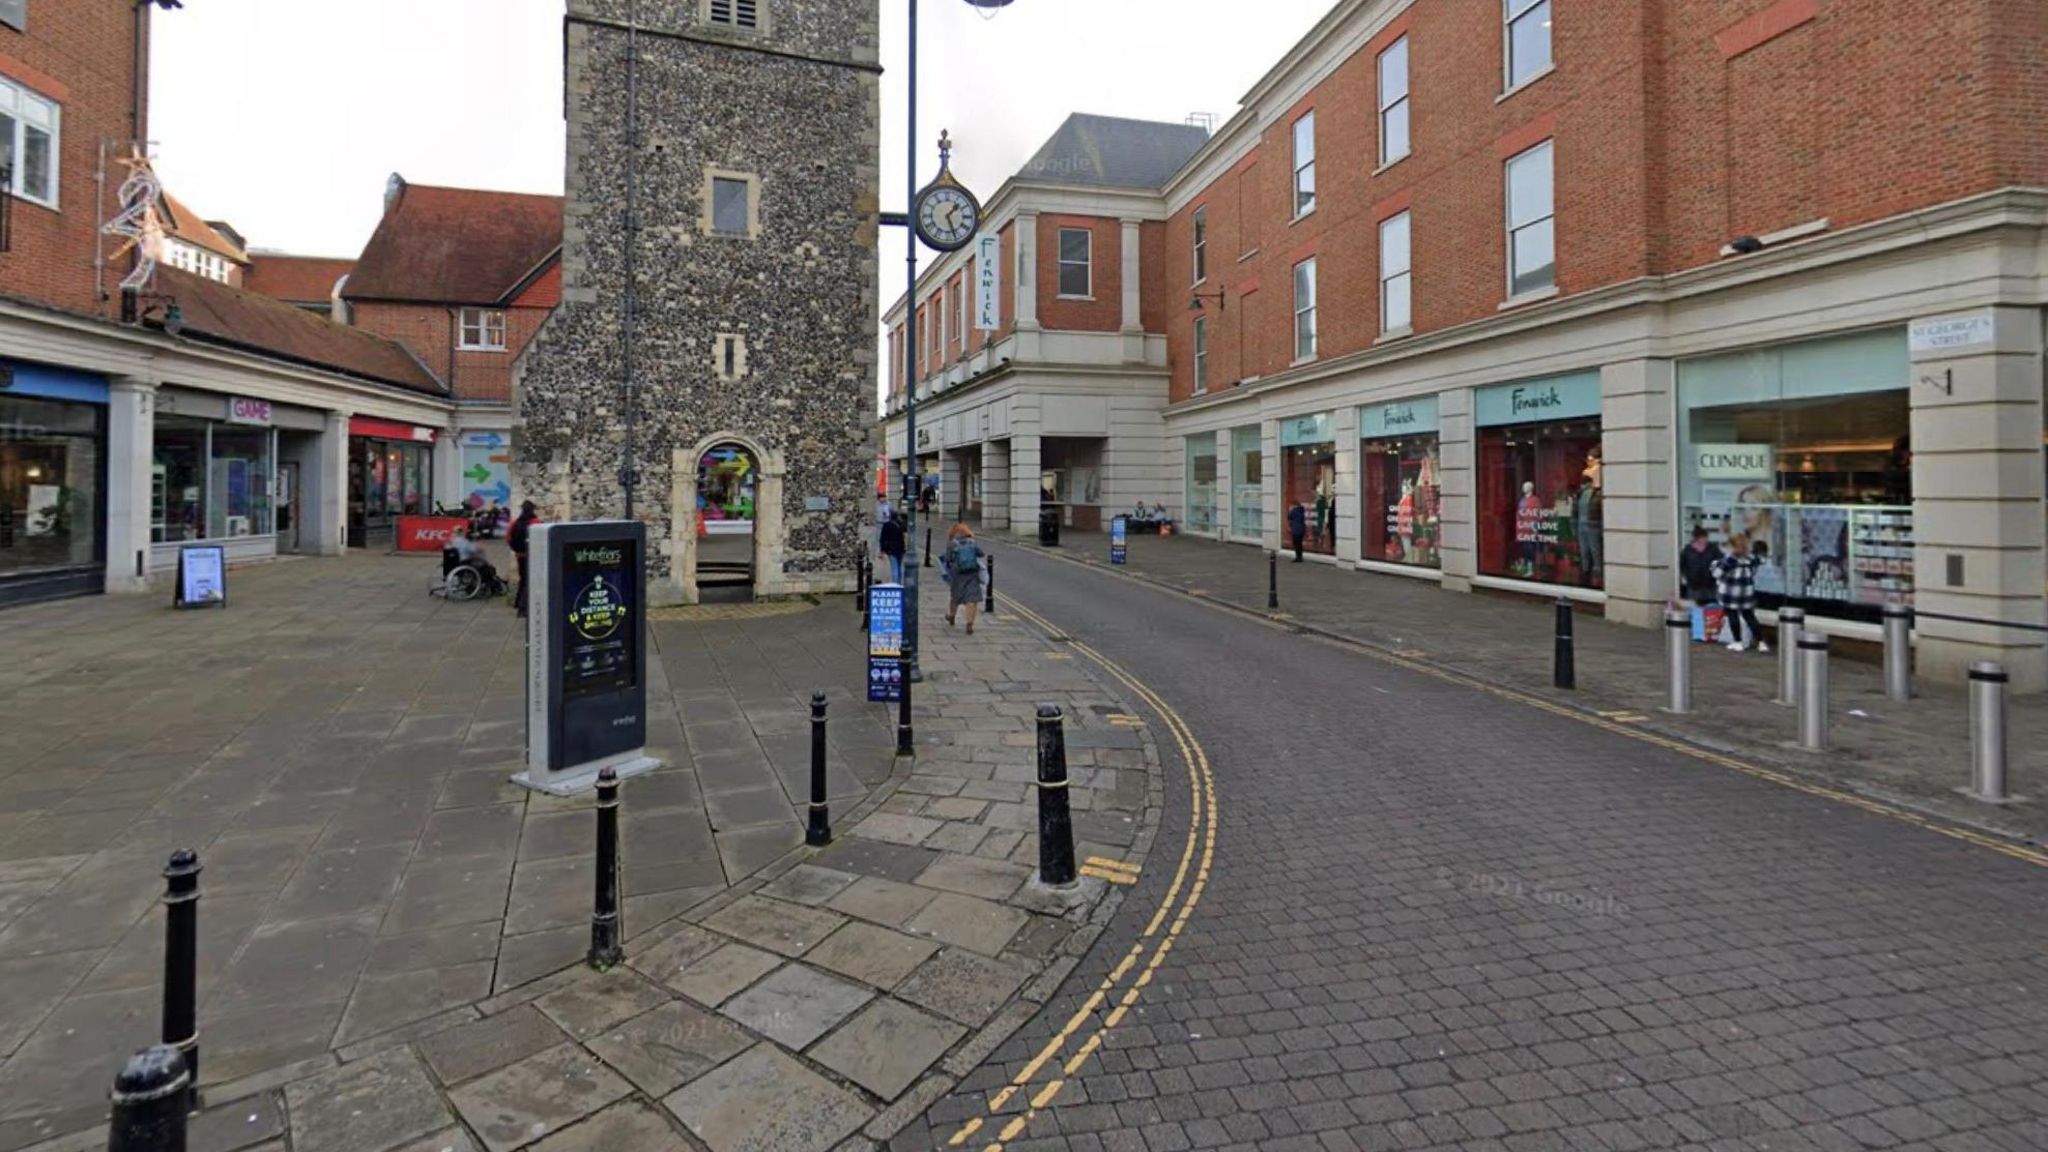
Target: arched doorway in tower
point(728, 493)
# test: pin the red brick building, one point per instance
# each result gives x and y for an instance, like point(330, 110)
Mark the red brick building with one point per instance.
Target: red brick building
point(135, 424)
point(1516, 293)
point(464, 278)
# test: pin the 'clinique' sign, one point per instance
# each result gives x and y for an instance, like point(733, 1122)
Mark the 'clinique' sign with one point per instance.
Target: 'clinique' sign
point(1734, 461)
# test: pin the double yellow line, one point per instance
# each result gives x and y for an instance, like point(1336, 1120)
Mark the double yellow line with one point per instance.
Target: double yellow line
point(1083, 1032)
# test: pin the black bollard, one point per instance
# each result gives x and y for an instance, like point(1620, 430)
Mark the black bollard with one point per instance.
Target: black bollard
point(905, 744)
point(927, 545)
point(860, 576)
point(990, 606)
point(1055, 822)
point(149, 1102)
point(605, 921)
point(819, 833)
point(865, 604)
point(1562, 673)
point(181, 965)
point(1272, 580)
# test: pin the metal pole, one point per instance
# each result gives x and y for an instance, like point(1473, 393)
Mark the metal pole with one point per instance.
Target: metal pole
point(867, 597)
point(1987, 731)
point(906, 744)
point(1272, 580)
point(1055, 822)
point(819, 833)
point(860, 577)
point(1813, 691)
point(149, 1100)
point(1791, 623)
point(1563, 672)
point(181, 964)
point(990, 607)
point(910, 563)
point(1678, 660)
point(1898, 652)
point(927, 545)
point(605, 926)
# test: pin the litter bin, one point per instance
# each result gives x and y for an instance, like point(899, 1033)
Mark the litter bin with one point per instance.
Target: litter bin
point(1049, 526)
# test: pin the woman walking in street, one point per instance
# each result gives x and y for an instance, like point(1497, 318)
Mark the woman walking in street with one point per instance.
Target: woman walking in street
point(1735, 574)
point(893, 545)
point(962, 560)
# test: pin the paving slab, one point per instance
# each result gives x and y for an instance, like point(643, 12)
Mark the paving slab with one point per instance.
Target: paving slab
point(521, 1103)
point(628, 1126)
point(765, 1101)
point(974, 876)
point(779, 926)
point(808, 884)
point(883, 901)
point(871, 954)
point(373, 1105)
point(382, 1003)
point(963, 986)
point(717, 977)
point(471, 1050)
point(796, 1005)
point(237, 1124)
point(661, 1050)
point(968, 922)
point(887, 1046)
point(589, 1007)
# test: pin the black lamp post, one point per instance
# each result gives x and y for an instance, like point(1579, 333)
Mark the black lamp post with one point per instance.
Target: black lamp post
point(913, 487)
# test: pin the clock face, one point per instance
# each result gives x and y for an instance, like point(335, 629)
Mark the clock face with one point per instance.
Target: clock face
point(947, 217)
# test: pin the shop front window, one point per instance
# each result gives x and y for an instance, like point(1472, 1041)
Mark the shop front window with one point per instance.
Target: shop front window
point(49, 484)
point(238, 482)
point(1308, 479)
point(1401, 466)
point(178, 480)
point(1247, 483)
point(1541, 484)
point(1201, 483)
point(1804, 450)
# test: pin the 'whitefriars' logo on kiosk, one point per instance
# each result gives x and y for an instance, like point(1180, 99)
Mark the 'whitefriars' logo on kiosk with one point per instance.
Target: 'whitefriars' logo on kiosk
point(1528, 400)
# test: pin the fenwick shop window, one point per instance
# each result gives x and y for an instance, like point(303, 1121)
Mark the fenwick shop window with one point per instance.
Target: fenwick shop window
point(1541, 491)
point(1401, 463)
point(1804, 450)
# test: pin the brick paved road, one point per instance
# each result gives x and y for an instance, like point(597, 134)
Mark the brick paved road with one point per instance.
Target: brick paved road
point(1441, 920)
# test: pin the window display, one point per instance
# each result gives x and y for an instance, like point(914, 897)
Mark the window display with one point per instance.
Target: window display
point(1804, 449)
point(1247, 483)
point(387, 478)
point(1541, 484)
point(211, 480)
point(1201, 464)
point(1308, 477)
point(1401, 467)
point(49, 484)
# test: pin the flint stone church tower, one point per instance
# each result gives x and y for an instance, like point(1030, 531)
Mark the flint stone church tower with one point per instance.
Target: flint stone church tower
point(750, 251)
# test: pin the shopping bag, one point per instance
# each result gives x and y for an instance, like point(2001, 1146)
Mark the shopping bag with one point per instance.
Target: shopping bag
point(1706, 623)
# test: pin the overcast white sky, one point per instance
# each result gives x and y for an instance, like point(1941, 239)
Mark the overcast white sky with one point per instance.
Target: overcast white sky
point(284, 117)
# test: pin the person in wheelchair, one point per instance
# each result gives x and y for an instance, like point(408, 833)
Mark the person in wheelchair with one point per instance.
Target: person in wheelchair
point(464, 552)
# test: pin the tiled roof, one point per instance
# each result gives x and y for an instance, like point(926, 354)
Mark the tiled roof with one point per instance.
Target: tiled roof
point(185, 224)
point(295, 279)
point(1111, 152)
point(456, 246)
point(217, 313)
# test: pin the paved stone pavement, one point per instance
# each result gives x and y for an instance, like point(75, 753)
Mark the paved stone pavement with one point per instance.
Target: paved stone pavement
point(336, 744)
point(829, 994)
point(1439, 920)
point(1918, 752)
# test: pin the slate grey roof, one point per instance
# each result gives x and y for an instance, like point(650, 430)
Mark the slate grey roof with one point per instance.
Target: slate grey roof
point(1111, 152)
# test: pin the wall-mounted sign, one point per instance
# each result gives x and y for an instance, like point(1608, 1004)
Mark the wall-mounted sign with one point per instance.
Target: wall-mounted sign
point(1306, 430)
point(924, 437)
point(202, 577)
point(1734, 461)
point(586, 671)
point(1531, 401)
point(1946, 335)
point(242, 410)
point(1412, 417)
point(988, 282)
point(817, 503)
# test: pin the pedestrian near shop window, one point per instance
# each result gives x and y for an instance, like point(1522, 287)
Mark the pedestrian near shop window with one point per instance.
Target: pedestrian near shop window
point(1696, 568)
point(962, 560)
point(1297, 527)
point(522, 529)
point(1735, 577)
point(893, 543)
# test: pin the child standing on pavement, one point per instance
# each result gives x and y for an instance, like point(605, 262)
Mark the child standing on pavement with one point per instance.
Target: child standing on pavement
point(1735, 576)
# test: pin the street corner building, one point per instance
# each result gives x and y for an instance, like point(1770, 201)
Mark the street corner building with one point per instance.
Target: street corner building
point(713, 355)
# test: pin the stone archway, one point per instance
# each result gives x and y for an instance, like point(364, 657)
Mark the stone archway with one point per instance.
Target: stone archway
point(768, 521)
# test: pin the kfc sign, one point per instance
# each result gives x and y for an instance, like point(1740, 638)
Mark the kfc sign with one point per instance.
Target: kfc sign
point(245, 411)
point(428, 533)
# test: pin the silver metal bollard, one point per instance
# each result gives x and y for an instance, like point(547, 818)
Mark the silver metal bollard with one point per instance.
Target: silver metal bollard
point(1791, 623)
point(1813, 691)
point(1987, 731)
point(1898, 652)
point(1678, 658)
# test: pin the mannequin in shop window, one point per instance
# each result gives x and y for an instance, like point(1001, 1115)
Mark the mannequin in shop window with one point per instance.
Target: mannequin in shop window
point(1404, 522)
point(1528, 527)
point(1586, 517)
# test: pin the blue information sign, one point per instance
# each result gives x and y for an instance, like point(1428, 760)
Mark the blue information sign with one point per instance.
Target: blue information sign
point(1117, 534)
point(885, 642)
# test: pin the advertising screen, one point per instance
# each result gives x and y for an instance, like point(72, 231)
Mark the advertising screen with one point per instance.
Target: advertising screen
point(601, 630)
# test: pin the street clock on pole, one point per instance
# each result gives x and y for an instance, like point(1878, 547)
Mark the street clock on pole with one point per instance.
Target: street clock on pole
point(946, 215)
